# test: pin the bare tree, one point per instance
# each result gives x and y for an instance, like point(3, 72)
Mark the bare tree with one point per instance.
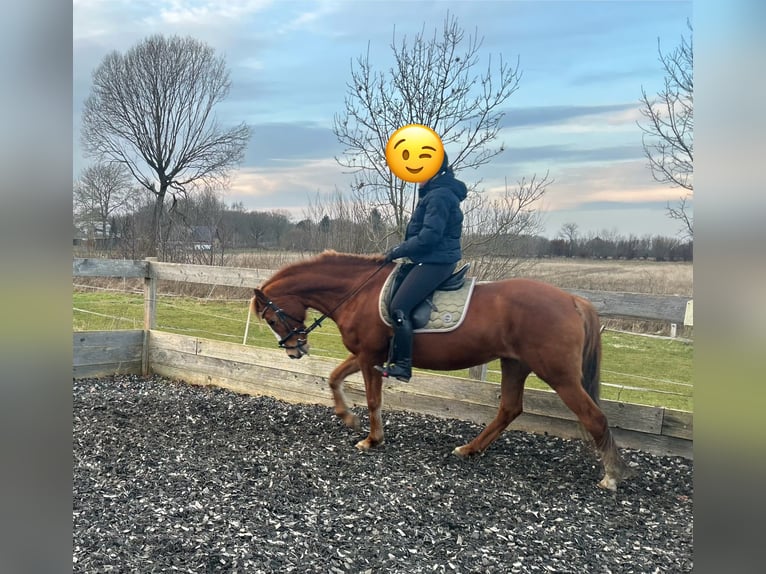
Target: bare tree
point(102, 191)
point(435, 82)
point(497, 230)
point(345, 224)
point(682, 214)
point(668, 137)
point(151, 109)
point(569, 232)
point(196, 228)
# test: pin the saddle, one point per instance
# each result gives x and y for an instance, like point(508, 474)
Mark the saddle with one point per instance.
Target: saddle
point(442, 310)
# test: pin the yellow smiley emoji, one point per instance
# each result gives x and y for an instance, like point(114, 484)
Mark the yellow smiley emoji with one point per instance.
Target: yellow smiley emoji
point(414, 153)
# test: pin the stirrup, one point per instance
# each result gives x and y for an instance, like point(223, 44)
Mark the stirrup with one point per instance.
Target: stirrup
point(395, 371)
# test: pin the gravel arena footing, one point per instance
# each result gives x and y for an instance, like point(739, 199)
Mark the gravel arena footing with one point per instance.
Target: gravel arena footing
point(169, 477)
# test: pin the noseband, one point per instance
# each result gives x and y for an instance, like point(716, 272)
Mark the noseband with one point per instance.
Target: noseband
point(285, 319)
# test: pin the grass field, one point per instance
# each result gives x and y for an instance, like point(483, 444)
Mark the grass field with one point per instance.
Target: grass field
point(658, 278)
point(635, 368)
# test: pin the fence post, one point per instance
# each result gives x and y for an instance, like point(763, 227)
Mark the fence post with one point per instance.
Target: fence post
point(478, 372)
point(150, 311)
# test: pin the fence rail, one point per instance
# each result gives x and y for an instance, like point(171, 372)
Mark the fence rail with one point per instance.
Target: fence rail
point(269, 372)
point(671, 308)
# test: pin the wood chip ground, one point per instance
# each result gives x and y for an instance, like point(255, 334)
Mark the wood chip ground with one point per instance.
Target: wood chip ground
point(170, 477)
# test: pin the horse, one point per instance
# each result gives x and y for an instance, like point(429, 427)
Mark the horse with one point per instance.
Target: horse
point(529, 325)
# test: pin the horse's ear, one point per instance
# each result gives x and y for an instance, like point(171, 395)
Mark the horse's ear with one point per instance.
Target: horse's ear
point(258, 296)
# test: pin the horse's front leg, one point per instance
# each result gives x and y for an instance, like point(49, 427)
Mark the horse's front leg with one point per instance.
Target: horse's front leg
point(373, 386)
point(348, 367)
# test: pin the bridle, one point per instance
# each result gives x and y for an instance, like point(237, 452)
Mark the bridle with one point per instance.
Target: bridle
point(299, 329)
point(285, 319)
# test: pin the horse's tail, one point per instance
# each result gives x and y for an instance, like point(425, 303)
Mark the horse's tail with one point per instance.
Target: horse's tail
point(614, 465)
point(591, 352)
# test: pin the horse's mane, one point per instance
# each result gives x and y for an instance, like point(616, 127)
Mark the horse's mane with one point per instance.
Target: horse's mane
point(330, 258)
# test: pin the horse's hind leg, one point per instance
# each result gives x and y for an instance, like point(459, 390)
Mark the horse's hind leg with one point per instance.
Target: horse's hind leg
point(594, 421)
point(348, 367)
point(514, 374)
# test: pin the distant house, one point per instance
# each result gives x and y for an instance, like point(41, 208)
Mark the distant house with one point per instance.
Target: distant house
point(80, 234)
point(204, 237)
point(95, 234)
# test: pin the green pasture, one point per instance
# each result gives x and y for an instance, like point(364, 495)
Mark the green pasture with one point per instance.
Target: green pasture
point(635, 368)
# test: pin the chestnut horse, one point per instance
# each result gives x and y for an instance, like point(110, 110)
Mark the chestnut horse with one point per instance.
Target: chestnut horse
point(529, 325)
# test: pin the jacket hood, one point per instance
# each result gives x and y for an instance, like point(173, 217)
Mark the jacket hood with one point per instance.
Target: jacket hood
point(445, 177)
point(445, 163)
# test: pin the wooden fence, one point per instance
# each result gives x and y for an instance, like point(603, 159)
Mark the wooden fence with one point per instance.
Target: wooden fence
point(269, 372)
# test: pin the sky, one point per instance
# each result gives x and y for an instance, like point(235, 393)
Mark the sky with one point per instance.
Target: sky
point(574, 115)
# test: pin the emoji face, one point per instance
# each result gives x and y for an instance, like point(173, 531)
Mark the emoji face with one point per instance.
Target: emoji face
point(414, 153)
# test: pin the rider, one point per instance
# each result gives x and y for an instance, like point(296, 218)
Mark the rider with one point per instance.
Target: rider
point(432, 242)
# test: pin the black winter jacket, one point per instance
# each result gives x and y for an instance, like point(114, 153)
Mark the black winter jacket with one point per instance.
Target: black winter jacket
point(433, 233)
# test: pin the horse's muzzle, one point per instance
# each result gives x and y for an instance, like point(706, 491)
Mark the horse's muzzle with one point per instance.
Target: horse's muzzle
point(298, 351)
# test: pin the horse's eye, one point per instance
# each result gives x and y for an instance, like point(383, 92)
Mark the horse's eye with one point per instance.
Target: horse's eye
point(272, 322)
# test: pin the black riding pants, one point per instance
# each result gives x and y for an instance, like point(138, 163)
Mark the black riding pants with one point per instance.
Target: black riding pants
point(419, 284)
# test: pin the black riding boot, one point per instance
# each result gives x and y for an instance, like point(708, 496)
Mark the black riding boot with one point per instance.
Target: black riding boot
point(400, 363)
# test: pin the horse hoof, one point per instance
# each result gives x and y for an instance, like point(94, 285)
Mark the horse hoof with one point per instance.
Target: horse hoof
point(460, 451)
point(608, 483)
point(367, 444)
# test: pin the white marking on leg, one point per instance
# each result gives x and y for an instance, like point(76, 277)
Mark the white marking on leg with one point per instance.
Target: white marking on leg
point(608, 483)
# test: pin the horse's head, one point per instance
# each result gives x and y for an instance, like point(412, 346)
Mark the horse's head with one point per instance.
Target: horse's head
point(286, 319)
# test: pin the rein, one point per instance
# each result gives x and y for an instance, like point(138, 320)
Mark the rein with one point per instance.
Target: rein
point(283, 316)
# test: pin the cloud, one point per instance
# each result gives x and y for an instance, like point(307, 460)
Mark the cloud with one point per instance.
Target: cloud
point(561, 115)
point(286, 184)
point(557, 154)
point(604, 76)
point(578, 185)
point(275, 142)
point(251, 63)
point(204, 12)
point(94, 20)
point(303, 20)
point(625, 182)
point(554, 138)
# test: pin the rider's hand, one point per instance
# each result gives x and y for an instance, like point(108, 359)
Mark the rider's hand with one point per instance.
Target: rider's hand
point(391, 254)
